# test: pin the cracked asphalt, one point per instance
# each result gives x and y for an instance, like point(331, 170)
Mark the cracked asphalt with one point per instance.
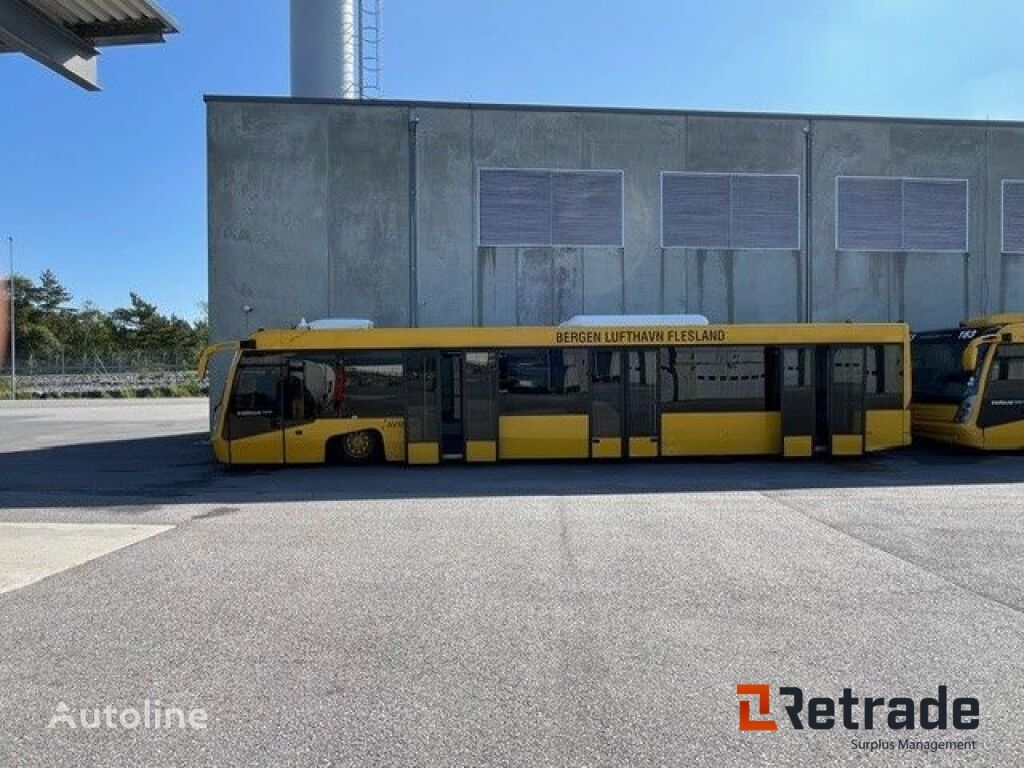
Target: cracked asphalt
point(529, 614)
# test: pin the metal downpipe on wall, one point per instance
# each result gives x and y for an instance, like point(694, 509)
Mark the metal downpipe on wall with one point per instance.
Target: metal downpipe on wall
point(414, 216)
point(808, 258)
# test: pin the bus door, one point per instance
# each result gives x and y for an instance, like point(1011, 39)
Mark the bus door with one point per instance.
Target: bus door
point(254, 423)
point(422, 407)
point(641, 412)
point(480, 405)
point(607, 403)
point(797, 402)
point(453, 445)
point(846, 400)
point(1002, 407)
point(308, 386)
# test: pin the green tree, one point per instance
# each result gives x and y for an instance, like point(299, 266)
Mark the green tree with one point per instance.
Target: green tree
point(90, 335)
point(34, 336)
point(47, 327)
point(201, 327)
point(51, 296)
point(139, 326)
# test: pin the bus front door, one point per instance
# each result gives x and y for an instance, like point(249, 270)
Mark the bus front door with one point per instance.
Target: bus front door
point(422, 407)
point(641, 413)
point(846, 400)
point(254, 425)
point(607, 402)
point(797, 402)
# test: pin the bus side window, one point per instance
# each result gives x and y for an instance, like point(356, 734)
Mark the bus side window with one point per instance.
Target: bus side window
point(1006, 377)
point(707, 379)
point(299, 402)
point(370, 385)
point(883, 383)
point(540, 381)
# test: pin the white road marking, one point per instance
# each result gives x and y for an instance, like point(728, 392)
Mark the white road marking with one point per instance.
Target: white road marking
point(32, 551)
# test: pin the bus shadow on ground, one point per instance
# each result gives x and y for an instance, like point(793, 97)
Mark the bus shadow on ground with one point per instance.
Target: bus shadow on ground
point(180, 469)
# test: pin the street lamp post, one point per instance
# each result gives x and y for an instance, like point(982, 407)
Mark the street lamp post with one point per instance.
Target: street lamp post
point(14, 376)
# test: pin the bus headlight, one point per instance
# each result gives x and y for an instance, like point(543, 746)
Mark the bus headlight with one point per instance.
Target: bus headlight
point(963, 413)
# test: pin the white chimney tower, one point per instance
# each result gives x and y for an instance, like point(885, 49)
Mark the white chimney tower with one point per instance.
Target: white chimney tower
point(326, 59)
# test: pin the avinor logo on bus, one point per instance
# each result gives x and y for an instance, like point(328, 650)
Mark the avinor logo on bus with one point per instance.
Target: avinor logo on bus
point(853, 712)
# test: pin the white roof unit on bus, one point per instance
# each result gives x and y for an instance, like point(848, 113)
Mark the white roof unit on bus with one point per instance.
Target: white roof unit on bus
point(336, 324)
point(604, 321)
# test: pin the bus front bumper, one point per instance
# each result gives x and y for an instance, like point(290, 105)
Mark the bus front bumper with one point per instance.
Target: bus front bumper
point(220, 449)
point(948, 432)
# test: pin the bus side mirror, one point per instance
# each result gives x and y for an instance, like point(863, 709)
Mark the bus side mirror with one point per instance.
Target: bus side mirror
point(204, 357)
point(969, 361)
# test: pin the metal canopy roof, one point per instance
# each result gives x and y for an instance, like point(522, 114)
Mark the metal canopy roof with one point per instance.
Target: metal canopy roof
point(64, 34)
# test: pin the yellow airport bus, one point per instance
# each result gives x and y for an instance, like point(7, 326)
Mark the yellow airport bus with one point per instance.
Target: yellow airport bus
point(969, 383)
point(600, 387)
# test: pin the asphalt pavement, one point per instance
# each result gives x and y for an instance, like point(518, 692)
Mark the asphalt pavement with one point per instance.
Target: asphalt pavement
point(529, 614)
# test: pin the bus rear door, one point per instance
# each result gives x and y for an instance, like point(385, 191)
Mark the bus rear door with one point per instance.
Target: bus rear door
point(797, 401)
point(846, 400)
point(607, 402)
point(643, 440)
point(624, 403)
point(422, 407)
point(480, 406)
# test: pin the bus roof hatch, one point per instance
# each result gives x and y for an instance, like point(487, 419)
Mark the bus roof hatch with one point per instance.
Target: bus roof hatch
point(604, 321)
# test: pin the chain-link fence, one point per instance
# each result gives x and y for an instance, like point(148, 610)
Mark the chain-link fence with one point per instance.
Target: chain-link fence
point(126, 362)
point(118, 375)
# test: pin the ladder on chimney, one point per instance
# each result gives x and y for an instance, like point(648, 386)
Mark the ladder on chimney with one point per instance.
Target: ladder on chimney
point(370, 48)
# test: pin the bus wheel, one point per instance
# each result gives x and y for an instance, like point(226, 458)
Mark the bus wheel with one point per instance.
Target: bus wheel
point(359, 447)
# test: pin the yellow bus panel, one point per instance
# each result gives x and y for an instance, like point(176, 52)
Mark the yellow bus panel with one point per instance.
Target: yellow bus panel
point(394, 438)
point(1005, 437)
point(544, 437)
point(424, 453)
point(481, 450)
point(798, 446)
point(305, 443)
point(606, 448)
point(264, 448)
point(643, 447)
point(721, 434)
point(847, 445)
point(885, 429)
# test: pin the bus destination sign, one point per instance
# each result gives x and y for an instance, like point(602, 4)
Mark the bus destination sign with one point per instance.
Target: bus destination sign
point(666, 336)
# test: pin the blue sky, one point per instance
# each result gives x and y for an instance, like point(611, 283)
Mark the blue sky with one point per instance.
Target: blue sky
point(108, 189)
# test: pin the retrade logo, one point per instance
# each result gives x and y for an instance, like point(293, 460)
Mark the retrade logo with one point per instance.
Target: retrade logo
point(764, 707)
point(852, 712)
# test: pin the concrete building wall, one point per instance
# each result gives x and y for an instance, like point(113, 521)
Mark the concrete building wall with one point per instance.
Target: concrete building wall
point(309, 216)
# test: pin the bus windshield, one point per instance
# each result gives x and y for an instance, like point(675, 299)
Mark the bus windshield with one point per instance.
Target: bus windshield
point(939, 376)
